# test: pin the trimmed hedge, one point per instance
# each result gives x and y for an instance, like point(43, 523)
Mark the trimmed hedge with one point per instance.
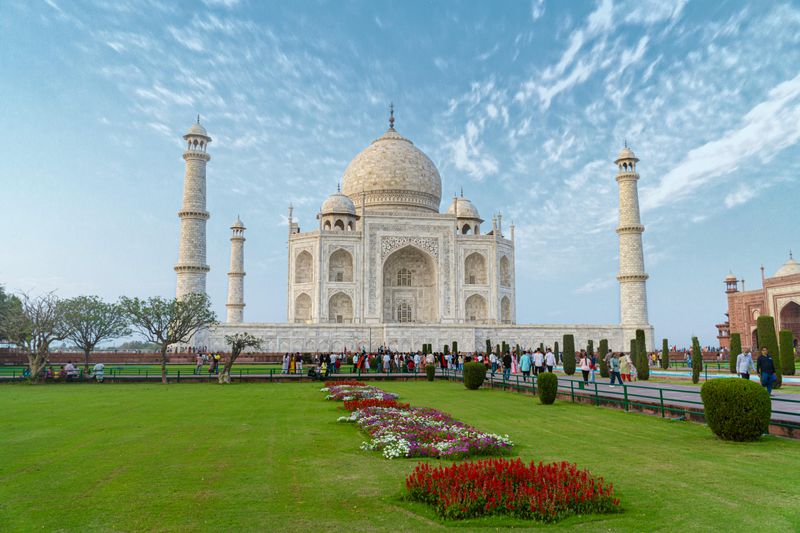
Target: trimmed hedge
point(569, 355)
point(736, 409)
point(786, 338)
point(455, 347)
point(548, 387)
point(602, 351)
point(555, 350)
point(590, 348)
point(768, 340)
point(430, 372)
point(736, 349)
point(664, 354)
point(697, 360)
point(643, 365)
point(474, 375)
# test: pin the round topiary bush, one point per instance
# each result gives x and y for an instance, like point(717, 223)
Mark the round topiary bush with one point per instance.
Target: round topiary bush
point(474, 374)
point(548, 387)
point(736, 409)
point(430, 372)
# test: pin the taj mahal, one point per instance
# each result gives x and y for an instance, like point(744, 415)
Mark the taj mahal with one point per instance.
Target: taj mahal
point(385, 266)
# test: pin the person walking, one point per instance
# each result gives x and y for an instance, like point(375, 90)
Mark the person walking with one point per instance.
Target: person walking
point(614, 369)
point(538, 362)
point(625, 367)
point(507, 366)
point(284, 367)
point(198, 364)
point(766, 369)
point(550, 360)
point(299, 364)
point(585, 366)
point(525, 365)
point(493, 361)
point(744, 363)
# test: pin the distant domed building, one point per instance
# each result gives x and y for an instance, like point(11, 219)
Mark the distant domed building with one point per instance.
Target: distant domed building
point(384, 266)
point(779, 297)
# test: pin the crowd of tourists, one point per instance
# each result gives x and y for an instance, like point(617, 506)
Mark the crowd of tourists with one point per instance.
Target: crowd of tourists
point(213, 360)
point(68, 372)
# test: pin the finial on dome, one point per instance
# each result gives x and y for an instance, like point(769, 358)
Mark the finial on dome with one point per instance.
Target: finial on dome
point(391, 115)
point(625, 142)
point(790, 254)
point(462, 191)
point(198, 118)
point(338, 186)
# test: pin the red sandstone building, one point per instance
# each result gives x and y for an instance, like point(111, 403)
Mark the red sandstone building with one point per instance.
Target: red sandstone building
point(779, 296)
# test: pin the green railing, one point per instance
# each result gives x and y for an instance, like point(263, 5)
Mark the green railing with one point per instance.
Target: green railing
point(661, 399)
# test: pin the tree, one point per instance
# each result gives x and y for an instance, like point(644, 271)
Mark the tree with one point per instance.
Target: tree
point(786, 338)
point(455, 347)
point(33, 326)
point(168, 322)
point(237, 342)
point(91, 321)
point(555, 350)
point(697, 360)
point(736, 349)
point(10, 312)
point(768, 340)
point(590, 348)
point(664, 354)
point(569, 355)
point(602, 351)
point(643, 363)
point(488, 346)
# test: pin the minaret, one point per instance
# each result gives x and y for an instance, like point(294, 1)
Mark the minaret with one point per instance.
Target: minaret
point(632, 277)
point(235, 305)
point(192, 267)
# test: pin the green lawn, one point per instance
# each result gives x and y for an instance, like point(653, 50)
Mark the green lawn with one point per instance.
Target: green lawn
point(243, 457)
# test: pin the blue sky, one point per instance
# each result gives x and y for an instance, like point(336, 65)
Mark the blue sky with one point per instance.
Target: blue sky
point(524, 104)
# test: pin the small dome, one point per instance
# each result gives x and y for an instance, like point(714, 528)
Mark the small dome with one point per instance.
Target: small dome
point(338, 204)
point(465, 208)
point(789, 267)
point(198, 130)
point(730, 277)
point(626, 153)
point(238, 223)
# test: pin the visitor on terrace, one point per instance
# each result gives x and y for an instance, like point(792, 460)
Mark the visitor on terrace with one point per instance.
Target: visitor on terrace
point(538, 362)
point(525, 365)
point(493, 362)
point(614, 369)
point(744, 364)
point(99, 372)
point(766, 369)
point(585, 366)
point(507, 366)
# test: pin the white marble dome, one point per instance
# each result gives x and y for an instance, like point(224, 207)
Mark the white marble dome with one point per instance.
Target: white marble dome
point(788, 268)
point(626, 153)
point(197, 130)
point(338, 204)
point(466, 209)
point(393, 175)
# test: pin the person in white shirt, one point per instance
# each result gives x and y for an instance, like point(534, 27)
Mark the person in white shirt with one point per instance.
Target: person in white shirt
point(493, 362)
point(386, 359)
point(417, 360)
point(550, 360)
point(538, 362)
point(98, 371)
point(70, 370)
point(744, 364)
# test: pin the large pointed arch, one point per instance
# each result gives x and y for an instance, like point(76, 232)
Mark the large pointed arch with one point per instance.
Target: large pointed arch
point(410, 292)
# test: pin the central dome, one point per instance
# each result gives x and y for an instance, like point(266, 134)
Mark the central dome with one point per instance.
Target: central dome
point(393, 175)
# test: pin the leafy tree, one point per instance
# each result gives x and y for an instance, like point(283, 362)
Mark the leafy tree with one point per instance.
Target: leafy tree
point(786, 338)
point(601, 358)
point(643, 363)
point(555, 350)
point(167, 322)
point(569, 355)
point(237, 342)
point(590, 348)
point(736, 349)
point(768, 340)
point(90, 321)
point(10, 312)
point(665, 354)
point(455, 347)
point(33, 326)
point(697, 360)
point(488, 346)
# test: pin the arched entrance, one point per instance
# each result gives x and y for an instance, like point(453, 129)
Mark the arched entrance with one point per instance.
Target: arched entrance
point(790, 318)
point(409, 287)
point(340, 308)
point(475, 308)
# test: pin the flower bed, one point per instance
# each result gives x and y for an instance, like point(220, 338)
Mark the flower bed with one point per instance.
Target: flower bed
point(352, 405)
point(357, 392)
point(544, 492)
point(422, 432)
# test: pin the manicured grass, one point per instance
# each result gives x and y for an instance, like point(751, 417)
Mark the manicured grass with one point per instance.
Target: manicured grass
point(204, 457)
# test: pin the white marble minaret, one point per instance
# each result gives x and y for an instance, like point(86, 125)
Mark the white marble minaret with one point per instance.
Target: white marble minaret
point(632, 277)
point(192, 268)
point(235, 305)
